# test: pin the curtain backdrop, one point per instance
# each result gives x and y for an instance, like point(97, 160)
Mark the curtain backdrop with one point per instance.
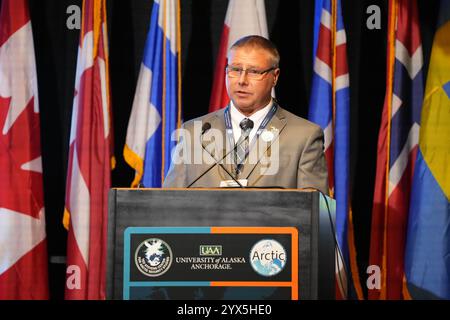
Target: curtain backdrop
point(290, 25)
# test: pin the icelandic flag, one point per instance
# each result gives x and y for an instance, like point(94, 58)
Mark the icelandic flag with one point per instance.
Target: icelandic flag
point(329, 108)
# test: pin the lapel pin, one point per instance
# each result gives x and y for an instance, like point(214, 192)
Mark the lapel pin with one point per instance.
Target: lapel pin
point(267, 135)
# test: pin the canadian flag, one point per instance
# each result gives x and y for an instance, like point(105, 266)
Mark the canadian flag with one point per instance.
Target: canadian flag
point(23, 247)
point(243, 18)
point(90, 162)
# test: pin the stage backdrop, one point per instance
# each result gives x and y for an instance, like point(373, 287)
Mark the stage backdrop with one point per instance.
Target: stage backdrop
point(290, 25)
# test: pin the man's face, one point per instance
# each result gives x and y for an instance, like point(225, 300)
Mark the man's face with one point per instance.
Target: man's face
point(250, 95)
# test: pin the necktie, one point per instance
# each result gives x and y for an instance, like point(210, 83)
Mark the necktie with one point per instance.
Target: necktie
point(242, 145)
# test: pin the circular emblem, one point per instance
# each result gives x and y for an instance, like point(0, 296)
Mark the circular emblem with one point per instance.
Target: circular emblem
point(267, 135)
point(268, 257)
point(153, 257)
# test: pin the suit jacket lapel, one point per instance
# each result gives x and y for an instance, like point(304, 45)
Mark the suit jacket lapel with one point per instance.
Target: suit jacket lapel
point(276, 124)
point(218, 123)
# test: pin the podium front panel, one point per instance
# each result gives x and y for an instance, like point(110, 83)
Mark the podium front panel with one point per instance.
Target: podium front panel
point(185, 221)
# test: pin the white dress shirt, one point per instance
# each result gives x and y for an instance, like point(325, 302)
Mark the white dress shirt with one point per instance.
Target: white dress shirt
point(257, 118)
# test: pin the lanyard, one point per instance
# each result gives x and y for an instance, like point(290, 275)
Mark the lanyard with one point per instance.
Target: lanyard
point(263, 125)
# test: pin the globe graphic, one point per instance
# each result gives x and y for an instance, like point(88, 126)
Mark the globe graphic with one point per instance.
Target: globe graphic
point(271, 267)
point(266, 261)
point(155, 259)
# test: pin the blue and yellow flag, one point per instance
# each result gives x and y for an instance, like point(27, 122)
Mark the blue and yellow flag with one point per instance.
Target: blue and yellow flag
point(156, 109)
point(427, 256)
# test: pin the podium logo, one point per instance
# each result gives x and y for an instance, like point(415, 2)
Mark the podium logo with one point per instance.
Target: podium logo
point(153, 257)
point(268, 257)
point(210, 250)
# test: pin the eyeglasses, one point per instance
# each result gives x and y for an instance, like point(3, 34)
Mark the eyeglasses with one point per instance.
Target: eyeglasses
point(235, 72)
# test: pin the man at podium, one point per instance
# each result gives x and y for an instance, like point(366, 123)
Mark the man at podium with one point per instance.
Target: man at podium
point(253, 142)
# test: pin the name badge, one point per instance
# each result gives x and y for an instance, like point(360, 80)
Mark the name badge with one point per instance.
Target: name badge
point(233, 184)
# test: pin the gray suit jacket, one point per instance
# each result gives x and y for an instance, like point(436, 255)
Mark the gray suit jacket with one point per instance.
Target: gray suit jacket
point(289, 155)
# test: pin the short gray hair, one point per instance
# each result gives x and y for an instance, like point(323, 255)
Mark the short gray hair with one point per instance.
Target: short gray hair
point(255, 41)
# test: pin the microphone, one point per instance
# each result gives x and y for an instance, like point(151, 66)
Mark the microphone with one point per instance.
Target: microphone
point(206, 126)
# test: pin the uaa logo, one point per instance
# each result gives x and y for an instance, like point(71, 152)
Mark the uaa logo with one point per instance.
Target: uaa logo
point(153, 257)
point(268, 257)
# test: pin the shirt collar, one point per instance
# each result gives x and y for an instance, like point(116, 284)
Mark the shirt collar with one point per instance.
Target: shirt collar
point(257, 117)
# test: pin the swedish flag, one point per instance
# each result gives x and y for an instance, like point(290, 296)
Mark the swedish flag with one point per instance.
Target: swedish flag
point(427, 257)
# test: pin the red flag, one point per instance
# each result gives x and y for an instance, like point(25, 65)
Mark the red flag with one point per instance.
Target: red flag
point(89, 170)
point(243, 18)
point(23, 248)
point(397, 147)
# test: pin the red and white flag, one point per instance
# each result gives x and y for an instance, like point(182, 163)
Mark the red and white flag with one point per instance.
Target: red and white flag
point(398, 144)
point(243, 18)
point(23, 246)
point(90, 162)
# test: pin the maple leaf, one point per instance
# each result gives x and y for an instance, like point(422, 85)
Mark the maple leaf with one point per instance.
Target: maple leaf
point(20, 167)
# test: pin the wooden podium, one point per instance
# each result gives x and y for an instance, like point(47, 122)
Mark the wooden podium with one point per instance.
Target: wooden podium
point(212, 244)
